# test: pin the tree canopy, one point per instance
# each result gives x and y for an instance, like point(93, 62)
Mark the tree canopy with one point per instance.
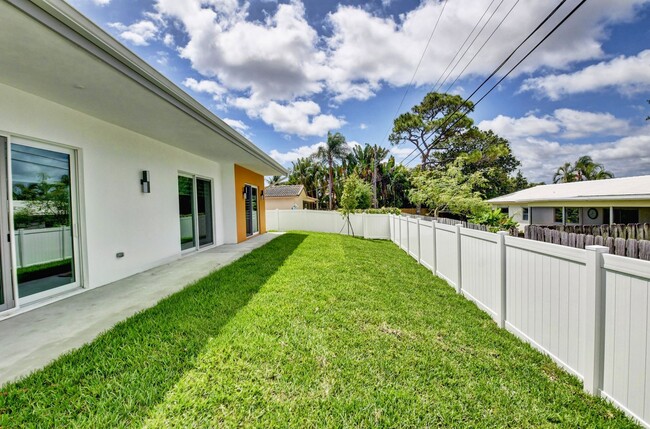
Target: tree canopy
point(431, 123)
point(583, 169)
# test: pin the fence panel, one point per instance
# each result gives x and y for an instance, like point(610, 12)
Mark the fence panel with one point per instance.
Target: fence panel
point(446, 258)
point(426, 244)
point(414, 238)
point(38, 246)
point(480, 269)
point(403, 228)
point(626, 379)
point(546, 291)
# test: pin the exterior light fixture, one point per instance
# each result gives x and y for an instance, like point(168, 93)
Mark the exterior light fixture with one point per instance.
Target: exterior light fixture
point(243, 194)
point(262, 193)
point(145, 182)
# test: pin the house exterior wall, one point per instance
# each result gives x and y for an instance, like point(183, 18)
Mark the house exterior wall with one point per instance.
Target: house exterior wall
point(243, 177)
point(283, 203)
point(546, 215)
point(114, 215)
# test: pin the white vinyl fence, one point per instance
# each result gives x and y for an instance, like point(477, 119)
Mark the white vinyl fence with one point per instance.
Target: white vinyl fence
point(586, 309)
point(38, 246)
point(373, 226)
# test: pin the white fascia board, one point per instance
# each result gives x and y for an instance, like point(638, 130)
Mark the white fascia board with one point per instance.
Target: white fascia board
point(66, 21)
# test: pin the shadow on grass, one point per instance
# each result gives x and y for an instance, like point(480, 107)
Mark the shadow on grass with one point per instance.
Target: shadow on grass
point(115, 380)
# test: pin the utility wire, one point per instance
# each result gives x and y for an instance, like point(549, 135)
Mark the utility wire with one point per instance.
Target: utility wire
point(486, 80)
point(558, 25)
point(417, 68)
point(446, 76)
point(482, 46)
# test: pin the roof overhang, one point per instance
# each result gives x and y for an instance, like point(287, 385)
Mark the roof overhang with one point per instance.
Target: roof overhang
point(51, 50)
point(587, 199)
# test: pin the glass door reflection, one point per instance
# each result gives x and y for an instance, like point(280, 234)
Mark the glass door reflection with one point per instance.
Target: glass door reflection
point(43, 219)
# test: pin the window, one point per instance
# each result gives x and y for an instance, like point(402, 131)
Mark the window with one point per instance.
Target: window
point(524, 213)
point(625, 216)
point(252, 215)
point(195, 212)
point(572, 215)
point(44, 219)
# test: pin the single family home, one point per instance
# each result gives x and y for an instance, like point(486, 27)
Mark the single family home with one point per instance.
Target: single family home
point(107, 168)
point(288, 197)
point(596, 202)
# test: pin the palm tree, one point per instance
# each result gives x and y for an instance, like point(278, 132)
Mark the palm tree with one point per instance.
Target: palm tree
point(587, 169)
point(378, 155)
point(335, 149)
point(276, 180)
point(565, 174)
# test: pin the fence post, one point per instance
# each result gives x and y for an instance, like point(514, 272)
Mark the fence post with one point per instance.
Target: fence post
point(419, 244)
point(459, 281)
point(434, 266)
point(501, 281)
point(277, 217)
point(594, 319)
point(399, 224)
point(408, 236)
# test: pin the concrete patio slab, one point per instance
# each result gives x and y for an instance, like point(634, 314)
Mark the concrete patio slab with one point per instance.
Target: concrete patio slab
point(32, 339)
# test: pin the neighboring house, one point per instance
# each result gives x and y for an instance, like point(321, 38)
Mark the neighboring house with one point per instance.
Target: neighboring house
point(107, 168)
point(287, 197)
point(594, 202)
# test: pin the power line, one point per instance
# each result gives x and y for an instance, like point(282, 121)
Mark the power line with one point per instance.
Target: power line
point(482, 46)
point(435, 85)
point(486, 80)
point(417, 68)
point(558, 25)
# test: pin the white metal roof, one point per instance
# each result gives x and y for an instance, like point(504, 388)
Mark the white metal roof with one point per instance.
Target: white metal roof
point(624, 189)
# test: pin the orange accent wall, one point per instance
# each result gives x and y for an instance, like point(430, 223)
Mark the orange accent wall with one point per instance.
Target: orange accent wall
point(243, 177)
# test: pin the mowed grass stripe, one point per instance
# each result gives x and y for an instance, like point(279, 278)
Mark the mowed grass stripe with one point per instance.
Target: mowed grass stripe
point(312, 330)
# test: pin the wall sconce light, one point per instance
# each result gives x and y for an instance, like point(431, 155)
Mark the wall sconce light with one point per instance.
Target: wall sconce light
point(145, 182)
point(262, 193)
point(243, 194)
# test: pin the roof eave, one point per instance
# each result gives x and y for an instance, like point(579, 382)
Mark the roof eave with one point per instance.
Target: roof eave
point(63, 19)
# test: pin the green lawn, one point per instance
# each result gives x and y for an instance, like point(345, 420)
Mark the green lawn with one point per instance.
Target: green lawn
point(312, 330)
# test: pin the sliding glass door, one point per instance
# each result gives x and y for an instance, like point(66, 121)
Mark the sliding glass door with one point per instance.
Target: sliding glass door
point(204, 210)
point(44, 207)
point(252, 214)
point(195, 212)
point(7, 300)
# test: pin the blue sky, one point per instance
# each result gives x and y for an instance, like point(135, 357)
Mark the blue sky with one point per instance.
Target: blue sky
point(283, 73)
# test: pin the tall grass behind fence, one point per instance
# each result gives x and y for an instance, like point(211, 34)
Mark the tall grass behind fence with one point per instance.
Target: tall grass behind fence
point(632, 241)
point(587, 309)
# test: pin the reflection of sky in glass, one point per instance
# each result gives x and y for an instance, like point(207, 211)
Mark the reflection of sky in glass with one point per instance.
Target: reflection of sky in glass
point(29, 163)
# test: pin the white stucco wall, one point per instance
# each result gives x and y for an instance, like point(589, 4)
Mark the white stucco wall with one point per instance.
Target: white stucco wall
point(115, 215)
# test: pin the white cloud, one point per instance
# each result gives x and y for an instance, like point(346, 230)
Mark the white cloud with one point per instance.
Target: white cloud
point(269, 66)
point(286, 158)
point(530, 125)
point(577, 124)
point(302, 118)
point(168, 40)
point(139, 33)
point(401, 153)
point(101, 2)
point(626, 74)
point(565, 123)
point(236, 124)
point(363, 126)
point(206, 86)
point(367, 50)
point(541, 143)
